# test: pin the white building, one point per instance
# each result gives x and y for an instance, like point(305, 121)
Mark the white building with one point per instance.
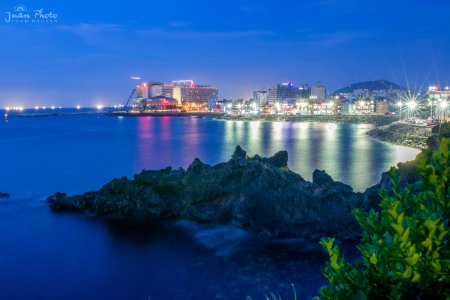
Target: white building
point(261, 98)
point(318, 92)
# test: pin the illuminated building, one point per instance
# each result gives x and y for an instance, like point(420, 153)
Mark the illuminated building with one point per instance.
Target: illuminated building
point(167, 90)
point(439, 98)
point(185, 92)
point(382, 107)
point(157, 103)
point(194, 97)
point(260, 98)
point(287, 93)
point(347, 107)
point(437, 94)
point(149, 89)
point(318, 92)
point(364, 107)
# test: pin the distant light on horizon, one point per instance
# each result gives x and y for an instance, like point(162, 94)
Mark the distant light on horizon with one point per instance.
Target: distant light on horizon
point(99, 107)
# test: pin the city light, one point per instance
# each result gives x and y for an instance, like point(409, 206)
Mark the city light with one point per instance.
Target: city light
point(14, 108)
point(99, 107)
point(412, 105)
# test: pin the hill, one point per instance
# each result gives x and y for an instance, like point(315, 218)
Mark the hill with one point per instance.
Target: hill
point(373, 85)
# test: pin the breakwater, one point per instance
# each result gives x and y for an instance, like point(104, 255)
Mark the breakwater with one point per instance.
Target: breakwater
point(341, 119)
point(402, 134)
point(164, 114)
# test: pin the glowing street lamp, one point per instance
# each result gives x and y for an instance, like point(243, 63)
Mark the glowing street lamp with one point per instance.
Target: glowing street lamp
point(444, 109)
point(412, 105)
point(400, 104)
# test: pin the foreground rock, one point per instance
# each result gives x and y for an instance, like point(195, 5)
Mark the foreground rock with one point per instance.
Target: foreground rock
point(402, 134)
point(256, 194)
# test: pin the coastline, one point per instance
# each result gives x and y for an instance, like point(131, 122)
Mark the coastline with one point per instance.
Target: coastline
point(388, 129)
point(402, 134)
point(378, 120)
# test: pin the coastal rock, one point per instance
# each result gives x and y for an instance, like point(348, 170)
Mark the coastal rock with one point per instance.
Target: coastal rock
point(402, 134)
point(257, 194)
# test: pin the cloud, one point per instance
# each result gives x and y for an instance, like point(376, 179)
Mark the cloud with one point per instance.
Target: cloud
point(328, 40)
point(100, 32)
point(203, 35)
point(88, 30)
point(178, 24)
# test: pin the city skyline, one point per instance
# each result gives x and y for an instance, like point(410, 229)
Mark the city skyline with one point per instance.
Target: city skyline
point(89, 54)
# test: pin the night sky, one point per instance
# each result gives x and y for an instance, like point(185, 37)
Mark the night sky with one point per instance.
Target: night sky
point(88, 56)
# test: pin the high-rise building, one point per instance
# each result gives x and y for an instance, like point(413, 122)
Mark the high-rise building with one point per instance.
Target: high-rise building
point(185, 92)
point(260, 98)
point(287, 93)
point(381, 107)
point(318, 92)
point(149, 89)
point(167, 90)
point(194, 96)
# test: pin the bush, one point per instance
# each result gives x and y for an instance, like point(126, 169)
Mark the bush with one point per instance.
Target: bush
point(405, 247)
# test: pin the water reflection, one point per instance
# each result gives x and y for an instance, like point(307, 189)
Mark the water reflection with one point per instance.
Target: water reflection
point(342, 150)
point(144, 145)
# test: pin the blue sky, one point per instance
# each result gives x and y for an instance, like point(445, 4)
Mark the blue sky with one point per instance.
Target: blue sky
point(88, 56)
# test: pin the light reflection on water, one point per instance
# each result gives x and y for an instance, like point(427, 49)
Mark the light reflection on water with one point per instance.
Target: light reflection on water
point(79, 153)
point(343, 150)
point(74, 256)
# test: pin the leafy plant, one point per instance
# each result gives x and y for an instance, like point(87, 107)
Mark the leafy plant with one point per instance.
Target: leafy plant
point(405, 247)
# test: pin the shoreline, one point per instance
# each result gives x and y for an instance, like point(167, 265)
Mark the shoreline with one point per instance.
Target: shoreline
point(378, 120)
point(402, 134)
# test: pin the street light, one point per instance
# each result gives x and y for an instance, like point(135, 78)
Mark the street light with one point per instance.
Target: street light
point(400, 104)
point(444, 109)
point(411, 107)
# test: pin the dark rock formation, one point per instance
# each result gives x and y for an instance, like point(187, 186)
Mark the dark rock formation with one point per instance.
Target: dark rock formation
point(378, 120)
point(4, 195)
point(257, 194)
point(402, 134)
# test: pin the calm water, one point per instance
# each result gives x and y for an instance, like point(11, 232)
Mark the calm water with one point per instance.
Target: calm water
point(75, 256)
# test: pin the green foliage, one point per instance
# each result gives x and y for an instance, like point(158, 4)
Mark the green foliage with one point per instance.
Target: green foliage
point(405, 247)
point(285, 169)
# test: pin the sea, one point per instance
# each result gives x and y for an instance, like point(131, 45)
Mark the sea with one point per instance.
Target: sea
point(47, 255)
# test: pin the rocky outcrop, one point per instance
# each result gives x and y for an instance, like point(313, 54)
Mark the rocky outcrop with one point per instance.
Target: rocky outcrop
point(257, 194)
point(378, 120)
point(402, 134)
